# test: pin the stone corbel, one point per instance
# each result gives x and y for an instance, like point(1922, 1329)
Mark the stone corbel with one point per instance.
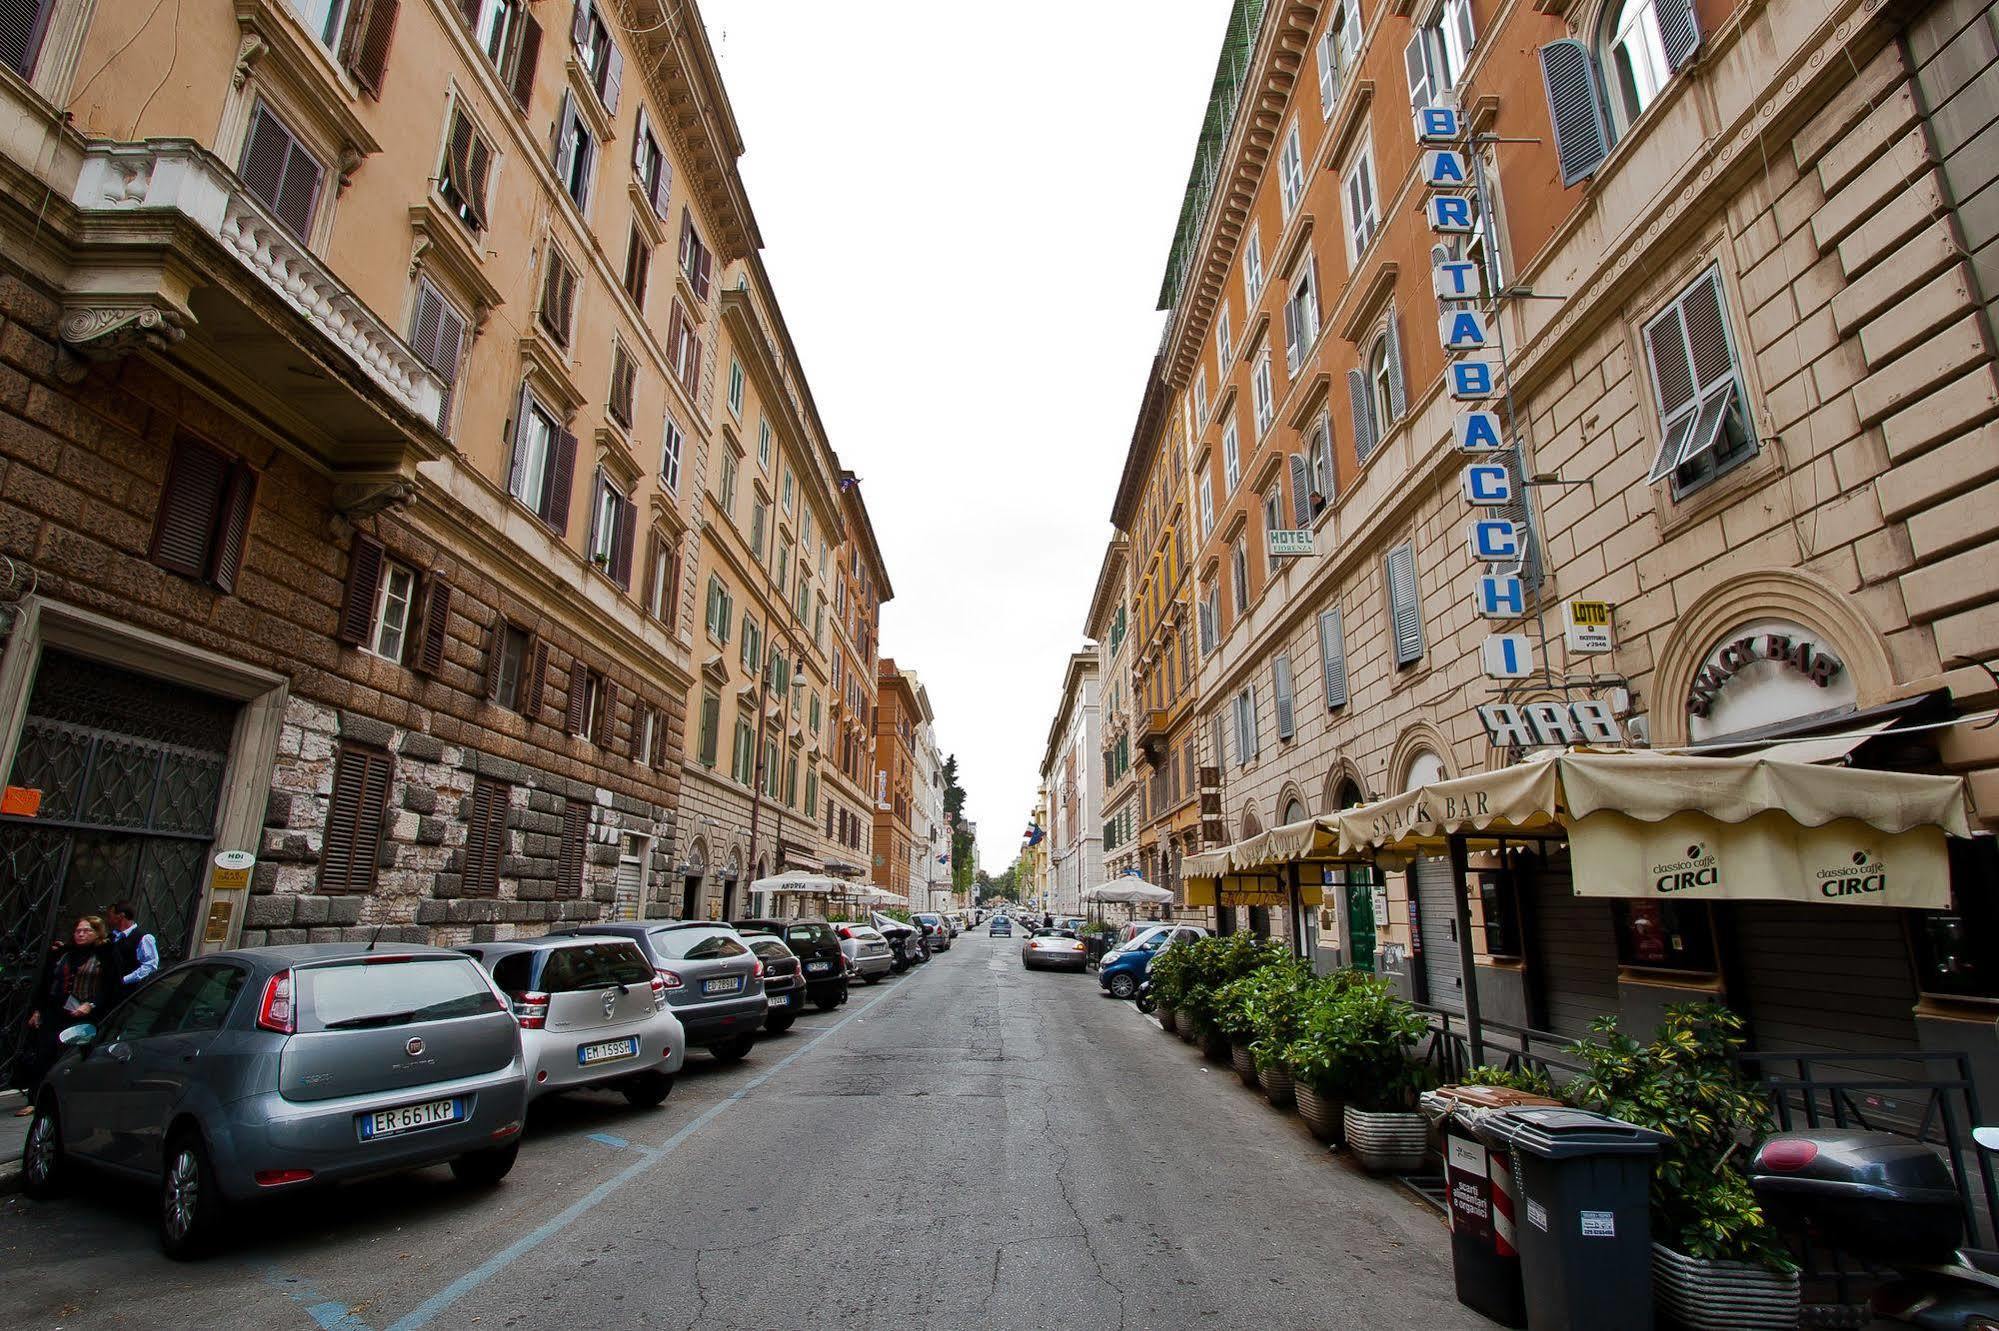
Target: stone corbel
point(360, 499)
point(108, 331)
point(248, 52)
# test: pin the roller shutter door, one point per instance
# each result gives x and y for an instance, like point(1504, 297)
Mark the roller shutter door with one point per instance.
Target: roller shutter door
point(1818, 979)
point(1575, 954)
point(1437, 925)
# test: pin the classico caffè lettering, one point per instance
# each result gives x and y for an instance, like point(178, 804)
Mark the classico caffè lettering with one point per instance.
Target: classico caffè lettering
point(1732, 658)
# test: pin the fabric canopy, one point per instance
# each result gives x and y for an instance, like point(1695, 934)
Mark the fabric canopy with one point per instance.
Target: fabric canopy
point(802, 882)
point(1131, 890)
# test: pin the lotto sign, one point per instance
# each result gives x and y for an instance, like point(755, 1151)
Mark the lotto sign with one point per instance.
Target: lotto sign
point(1507, 656)
point(1586, 626)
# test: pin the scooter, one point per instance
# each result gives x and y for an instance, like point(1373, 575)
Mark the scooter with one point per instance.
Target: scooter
point(1887, 1201)
point(1143, 999)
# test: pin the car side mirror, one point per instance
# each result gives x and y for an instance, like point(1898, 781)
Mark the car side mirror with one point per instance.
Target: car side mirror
point(80, 1034)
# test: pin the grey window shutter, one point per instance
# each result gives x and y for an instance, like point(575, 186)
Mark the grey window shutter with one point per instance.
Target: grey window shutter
point(520, 445)
point(1459, 13)
point(1398, 398)
point(1293, 351)
point(1363, 414)
point(565, 141)
point(1216, 734)
point(1417, 63)
point(614, 78)
point(1679, 29)
point(579, 24)
point(1575, 108)
point(1333, 657)
point(22, 25)
point(1707, 333)
point(527, 55)
point(1249, 722)
point(1280, 683)
point(639, 155)
point(1406, 614)
point(1301, 492)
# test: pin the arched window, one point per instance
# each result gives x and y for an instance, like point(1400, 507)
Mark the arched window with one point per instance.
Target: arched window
point(1294, 811)
point(1634, 55)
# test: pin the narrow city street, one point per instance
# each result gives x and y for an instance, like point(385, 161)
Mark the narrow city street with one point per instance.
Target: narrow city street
point(966, 1145)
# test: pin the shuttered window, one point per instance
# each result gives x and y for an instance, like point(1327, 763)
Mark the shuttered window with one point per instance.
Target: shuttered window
point(1405, 612)
point(276, 168)
point(543, 469)
point(1247, 746)
point(355, 817)
point(1206, 613)
point(614, 525)
point(1291, 172)
point(638, 266)
point(1301, 492)
point(1365, 435)
point(711, 728)
point(583, 686)
point(1281, 690)
point(575, 839)
point(1575, 108)
point(466, 170)
point(650, 167)
point(485, 837)
point(672, 444)
point(1320, 461)
point(1363, 217)
point(597, 53)
point(202, 527)
point(507, 662)
point(695, 260)
point(575, 151)
point(437, 336)
point(683, 349)
point(433, 629)
point(1333, 657)
point(23, 24)
point(624, 384)
point(558, 296)
point(364, 48)
point(1697, 385)
point(1301, 315)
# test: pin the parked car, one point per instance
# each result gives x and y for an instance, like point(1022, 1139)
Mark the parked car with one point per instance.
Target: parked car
point(902, 942)
point(863, 945)
point(936, 931)
point(954, 923)
point(819, 949)
point(784, 980)
point(242, 1074)
point(1053, 948)
point(1125, 967)
point(1001, 927)
point(714, 980)
point(592, 1012)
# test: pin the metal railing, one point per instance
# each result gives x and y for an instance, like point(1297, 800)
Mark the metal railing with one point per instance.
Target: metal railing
point(1514, 1048)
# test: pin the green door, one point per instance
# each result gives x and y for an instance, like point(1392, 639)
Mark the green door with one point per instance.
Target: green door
point(1360, 919)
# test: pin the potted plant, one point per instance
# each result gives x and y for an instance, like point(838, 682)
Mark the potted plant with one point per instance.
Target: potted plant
point(1716, 1261)
point(1168, 972)
point(1242, 1004)
point(1278, 1005)
point(1381, 1032)
point(1315, 1055)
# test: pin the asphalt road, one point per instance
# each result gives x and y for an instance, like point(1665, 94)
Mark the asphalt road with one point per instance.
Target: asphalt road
point(967, 1146)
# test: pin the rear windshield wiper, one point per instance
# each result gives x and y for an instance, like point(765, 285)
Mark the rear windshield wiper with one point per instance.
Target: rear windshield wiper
point(378, 1019)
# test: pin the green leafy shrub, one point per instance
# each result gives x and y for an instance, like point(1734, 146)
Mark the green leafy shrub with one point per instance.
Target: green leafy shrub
point(1211, 964)
point(1247, 1007)
point(1355, 1041)
point(1533, 1081)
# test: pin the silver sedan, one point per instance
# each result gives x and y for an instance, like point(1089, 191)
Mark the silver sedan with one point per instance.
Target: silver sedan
point(864, 947)
point(1053, 949)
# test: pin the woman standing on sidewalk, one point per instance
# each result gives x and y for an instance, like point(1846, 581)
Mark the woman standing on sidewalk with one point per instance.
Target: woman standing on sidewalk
point(73, 993)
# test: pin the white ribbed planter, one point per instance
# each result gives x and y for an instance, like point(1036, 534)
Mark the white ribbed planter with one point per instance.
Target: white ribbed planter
point(1390, 1143)
point(1245, 1065)
point(1701, 1295)
point(1321, 1114)
point(1277, 1084)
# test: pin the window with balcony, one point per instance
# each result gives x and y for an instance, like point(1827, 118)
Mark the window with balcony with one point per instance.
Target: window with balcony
point(278, 168)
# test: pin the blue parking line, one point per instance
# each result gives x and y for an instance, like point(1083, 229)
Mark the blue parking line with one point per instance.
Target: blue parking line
point(427, 1311)
point(605, 1138)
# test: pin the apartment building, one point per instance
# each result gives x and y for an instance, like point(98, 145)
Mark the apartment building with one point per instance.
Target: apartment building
point(860, 588)
point(352, 385)
point(930, 873)
point(897, 714)
point(1109, 626)
point(1072, 778)
point(1730, 263)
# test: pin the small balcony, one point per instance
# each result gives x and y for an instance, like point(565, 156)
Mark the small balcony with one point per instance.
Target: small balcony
point(1153, 725)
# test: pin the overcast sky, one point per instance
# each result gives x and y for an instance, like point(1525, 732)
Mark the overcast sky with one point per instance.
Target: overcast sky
point(966, 211)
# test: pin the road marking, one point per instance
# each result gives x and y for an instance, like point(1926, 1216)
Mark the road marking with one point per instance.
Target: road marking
point(428, 1311)
point(615, 1143)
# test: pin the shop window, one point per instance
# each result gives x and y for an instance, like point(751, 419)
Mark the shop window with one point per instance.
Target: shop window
point(1499, 901)
point(1665, 935)
point(1957, 951)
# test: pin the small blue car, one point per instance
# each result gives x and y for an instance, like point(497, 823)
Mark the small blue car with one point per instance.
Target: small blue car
point(1001, 927)
point(1123, 969)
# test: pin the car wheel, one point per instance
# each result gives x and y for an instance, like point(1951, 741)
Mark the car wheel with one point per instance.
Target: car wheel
point(736, 1050)
point(190, 1203)
point(827, 1003)
point(483, 1169)
point(43, 1164)
point(779, 1024)
point(871, 979)
point(1123, 986)
point(645, 1090)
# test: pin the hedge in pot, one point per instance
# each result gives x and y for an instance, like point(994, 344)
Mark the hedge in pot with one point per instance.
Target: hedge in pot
point(1531, 1081)
point(1170, 971)
point(1243, 1006)
point(1212, 963)
point(1716, 1259)
point(1380, 1033)
point(1315, 1055)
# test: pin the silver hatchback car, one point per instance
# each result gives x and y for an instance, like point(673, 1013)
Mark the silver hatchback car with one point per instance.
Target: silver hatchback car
point(244, 1074)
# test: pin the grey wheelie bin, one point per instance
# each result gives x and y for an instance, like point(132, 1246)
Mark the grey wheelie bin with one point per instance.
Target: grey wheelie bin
point(1584, 1223)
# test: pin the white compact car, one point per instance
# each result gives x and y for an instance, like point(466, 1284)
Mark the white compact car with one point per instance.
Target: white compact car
point(592, 1015)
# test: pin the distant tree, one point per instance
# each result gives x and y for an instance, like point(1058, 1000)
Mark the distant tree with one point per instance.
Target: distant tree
point(961, 837)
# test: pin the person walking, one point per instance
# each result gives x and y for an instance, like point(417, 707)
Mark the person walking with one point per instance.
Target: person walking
point(132, 954)
point(73, 993)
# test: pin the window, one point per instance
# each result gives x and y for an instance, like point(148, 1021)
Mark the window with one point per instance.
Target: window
point(624, 384)
point(1301, 315)
point(1263, 399)
point(813, 714)
point(1377, 391)
point(720, 607)
point(1281, 693)
point(662, 579)
point(467, 168)
point(390, 621)
point(485, 837)
point(672, 443)
point(388, 612)
point(683, 349)
point(783, 566)
point(558, 296)
point(759, 511)
point(355, 816)
point(1665, 935)
point(650, 170)
point(769, 758)
point(1239, 570)
point(22, 27)
point(569, 851)
point(598, 55)
point(508, 32)
point(1333, 657)
point(1208, 613)
point(750, 653)
point(1439, 48)
point(763, 444)
point(1319, 464)
point(1291, 172)
point(613, 525)
point(791, 780)
point(1207, 504)
point(1252, 268)
point(725, 490)
point(1231, 455)
point(1635, 50)
point(711, 728)
point(812, 789)
point(1357, 193)
point(278, 169)
point(544, 461)
point(1697, 384)
point(1273, 519)
point(1405, 612)
point(510, 670)
point(638, 266)
point(202, 526)
point(1200, 397)
point(790, 489)
point(695, 261)
point(575, 151)
point(735, 388)
point(1246, 745)
point(1338, 48)
point(437, 336)
point(1224, 345)
point(1644, 43)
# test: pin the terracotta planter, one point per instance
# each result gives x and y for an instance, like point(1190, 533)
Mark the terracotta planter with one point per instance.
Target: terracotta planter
point(1165, 1015)
point(1721, 1296)
point(1278, 1086)
point(1387, 1143)
point(1245, 1064)
point(1215, 1046)
point(1322, 1114)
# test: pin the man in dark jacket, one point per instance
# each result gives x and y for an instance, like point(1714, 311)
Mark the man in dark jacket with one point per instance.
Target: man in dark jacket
point(131, 957)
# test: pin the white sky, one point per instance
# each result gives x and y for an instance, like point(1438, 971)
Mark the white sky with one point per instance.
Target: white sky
point(966, 210)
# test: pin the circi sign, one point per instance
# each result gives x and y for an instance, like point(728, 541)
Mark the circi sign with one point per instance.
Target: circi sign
point(232, 870)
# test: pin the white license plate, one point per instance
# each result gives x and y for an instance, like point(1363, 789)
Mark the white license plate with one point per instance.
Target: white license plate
point(780, 1000)
point(728, 985)
point(818, 965)
point(409, 1118)
point(607, 1051)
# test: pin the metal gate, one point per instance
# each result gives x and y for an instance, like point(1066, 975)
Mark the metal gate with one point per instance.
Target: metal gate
point(129, 772)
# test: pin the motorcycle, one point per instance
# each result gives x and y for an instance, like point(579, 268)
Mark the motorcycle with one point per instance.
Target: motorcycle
point(1887, 1201)
point(1143, 999)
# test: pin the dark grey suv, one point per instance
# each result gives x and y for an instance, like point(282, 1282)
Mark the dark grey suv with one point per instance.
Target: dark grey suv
point(243, 1074)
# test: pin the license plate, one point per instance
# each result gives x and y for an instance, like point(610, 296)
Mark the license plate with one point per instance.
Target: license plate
point(607, 1051)
point(819, 965)
point(780, 1000)
point(409, 1118)
point(727, 985)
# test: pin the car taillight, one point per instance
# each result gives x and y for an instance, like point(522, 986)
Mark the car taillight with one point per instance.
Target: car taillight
point(668, 980)
point(276, 1012)
point(658, 992)
point(531, 1010)
point(756, 970)
point(277, 1178)
point(846, 933)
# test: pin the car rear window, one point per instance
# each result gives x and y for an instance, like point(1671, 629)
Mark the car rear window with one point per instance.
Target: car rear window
point(812, 935)
point(867, 935)
point(697, 944)
point(593, 966)
point(770, 949)
point(393, 993)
